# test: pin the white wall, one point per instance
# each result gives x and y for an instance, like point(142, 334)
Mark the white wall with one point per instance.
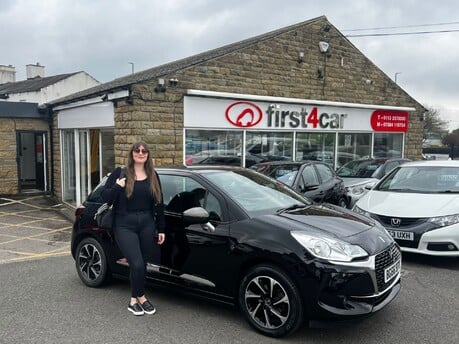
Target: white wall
point(65, 87)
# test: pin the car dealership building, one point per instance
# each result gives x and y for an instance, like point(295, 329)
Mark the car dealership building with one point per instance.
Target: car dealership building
point(300, 92)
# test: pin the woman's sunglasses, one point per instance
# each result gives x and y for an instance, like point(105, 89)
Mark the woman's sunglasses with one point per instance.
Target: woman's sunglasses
point(138, 151)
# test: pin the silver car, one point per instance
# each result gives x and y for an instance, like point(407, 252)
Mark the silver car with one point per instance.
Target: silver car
point(361, 175)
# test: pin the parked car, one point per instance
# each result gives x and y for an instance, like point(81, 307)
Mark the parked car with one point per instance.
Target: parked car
point(418, 204)
point(362, 174)
point(314, 179)
point(235, 160)
point(258, 244)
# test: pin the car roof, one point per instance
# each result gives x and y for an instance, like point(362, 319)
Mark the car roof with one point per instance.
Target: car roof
point(286, 162)
point(433, 163)
point(200, 168)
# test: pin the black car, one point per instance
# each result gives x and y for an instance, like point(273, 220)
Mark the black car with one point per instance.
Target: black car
point(235, 160)
point(314, 179)
point(255, 243)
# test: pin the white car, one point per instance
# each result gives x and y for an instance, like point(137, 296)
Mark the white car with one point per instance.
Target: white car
point(418, 204)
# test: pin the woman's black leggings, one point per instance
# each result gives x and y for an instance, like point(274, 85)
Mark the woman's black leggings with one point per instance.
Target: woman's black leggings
point(135, 235)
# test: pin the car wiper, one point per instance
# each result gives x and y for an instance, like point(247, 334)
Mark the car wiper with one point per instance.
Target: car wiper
point(292, 207)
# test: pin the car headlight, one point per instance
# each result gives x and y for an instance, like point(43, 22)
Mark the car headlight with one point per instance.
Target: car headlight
point(443, 221)
point(360, 189)
point(329, 248)
point(361, 211)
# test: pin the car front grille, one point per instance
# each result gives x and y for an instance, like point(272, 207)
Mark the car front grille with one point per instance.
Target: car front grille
point(404, 221)
point(384, 260)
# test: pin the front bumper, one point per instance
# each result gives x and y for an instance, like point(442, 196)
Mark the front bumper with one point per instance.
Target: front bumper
point(426, 238)
point(359, 288)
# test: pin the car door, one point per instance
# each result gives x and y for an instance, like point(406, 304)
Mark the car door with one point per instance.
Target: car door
point(331, 186)
point(308, 183)
point(192, 253)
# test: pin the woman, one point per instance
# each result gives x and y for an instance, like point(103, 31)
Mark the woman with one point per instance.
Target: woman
point(139, 219)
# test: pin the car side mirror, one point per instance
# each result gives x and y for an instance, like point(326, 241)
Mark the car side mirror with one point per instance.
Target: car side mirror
point(308, 187)
point(195, 215)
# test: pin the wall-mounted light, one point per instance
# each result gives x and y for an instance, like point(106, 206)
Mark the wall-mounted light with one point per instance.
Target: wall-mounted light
point(323, 47)
point(173, 82)
point(300, 57)
point(160, 86)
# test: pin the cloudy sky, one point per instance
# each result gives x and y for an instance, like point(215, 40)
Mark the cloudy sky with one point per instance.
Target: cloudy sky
point(103, 37)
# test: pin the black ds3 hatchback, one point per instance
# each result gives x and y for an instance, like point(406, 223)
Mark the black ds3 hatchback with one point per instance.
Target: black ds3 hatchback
point(240, 237)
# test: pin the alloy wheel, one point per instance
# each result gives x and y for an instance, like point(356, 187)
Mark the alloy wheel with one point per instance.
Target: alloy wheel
point(90, 262)
point(267, 302)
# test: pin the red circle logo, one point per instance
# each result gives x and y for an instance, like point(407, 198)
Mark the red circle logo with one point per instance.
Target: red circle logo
point(243, 114)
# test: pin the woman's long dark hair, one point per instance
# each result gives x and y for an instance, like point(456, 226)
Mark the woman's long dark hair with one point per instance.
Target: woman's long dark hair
point(149, 170)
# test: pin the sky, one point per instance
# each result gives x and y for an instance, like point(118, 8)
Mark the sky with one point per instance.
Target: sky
point(110, 38)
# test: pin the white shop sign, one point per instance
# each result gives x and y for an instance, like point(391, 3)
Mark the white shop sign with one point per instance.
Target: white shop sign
point(227, 113)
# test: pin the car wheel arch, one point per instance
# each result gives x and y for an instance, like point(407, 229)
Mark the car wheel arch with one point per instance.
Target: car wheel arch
point(283, 279)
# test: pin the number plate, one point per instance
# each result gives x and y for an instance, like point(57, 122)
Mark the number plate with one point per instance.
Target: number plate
point(392, 271)
point(401, 235)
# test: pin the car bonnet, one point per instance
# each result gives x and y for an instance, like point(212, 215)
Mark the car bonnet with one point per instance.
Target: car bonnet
point(409, 204)
point(331, 220)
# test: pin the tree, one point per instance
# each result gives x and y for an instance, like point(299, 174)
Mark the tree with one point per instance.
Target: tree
point(433, 123)
point(452, 140)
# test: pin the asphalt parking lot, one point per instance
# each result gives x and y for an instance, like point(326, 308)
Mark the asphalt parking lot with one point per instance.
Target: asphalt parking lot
point(33, 227)
point(43, 300)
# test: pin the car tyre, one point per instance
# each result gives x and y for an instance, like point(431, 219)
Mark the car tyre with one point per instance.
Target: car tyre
point(91, 263)
point(342, 202)
point(270, 301)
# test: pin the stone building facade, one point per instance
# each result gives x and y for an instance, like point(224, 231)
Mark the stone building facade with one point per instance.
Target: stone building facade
point(31, 128)
point(286, 64)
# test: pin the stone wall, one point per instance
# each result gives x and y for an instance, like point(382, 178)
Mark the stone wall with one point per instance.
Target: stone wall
point(267, 68)
point(8, 150)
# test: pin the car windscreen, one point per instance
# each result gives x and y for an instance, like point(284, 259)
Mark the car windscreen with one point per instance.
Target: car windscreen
point(422, 179)
point(255, 193)
point(359, 169)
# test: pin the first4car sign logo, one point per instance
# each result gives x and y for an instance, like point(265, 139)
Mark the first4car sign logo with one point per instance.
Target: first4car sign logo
point(247, 114)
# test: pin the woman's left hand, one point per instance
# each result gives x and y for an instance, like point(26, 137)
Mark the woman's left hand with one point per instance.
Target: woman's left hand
point(161, 238)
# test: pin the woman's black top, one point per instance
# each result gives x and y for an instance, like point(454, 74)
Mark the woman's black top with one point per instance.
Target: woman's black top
point(142, 199)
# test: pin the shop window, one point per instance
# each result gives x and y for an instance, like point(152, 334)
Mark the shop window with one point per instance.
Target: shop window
point(84, 154)
point(388, 145)
point(353, 146)
point(68, 167)
point(212, 146)
point(264, 146)
point(316, 146)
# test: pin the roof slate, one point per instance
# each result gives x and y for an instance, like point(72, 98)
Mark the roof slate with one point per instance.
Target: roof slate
point(32, 85)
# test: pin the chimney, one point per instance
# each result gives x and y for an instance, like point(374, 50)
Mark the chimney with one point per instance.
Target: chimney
point(7, 74)
point(35, 70)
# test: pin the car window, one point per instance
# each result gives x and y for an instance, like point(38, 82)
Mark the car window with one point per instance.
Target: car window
point(325, 172)
point(181, 193)
point(391, 165)
point(288, 178)
point(95, 195)
point(427, 179)
point(254, 192)
point(309, 175)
